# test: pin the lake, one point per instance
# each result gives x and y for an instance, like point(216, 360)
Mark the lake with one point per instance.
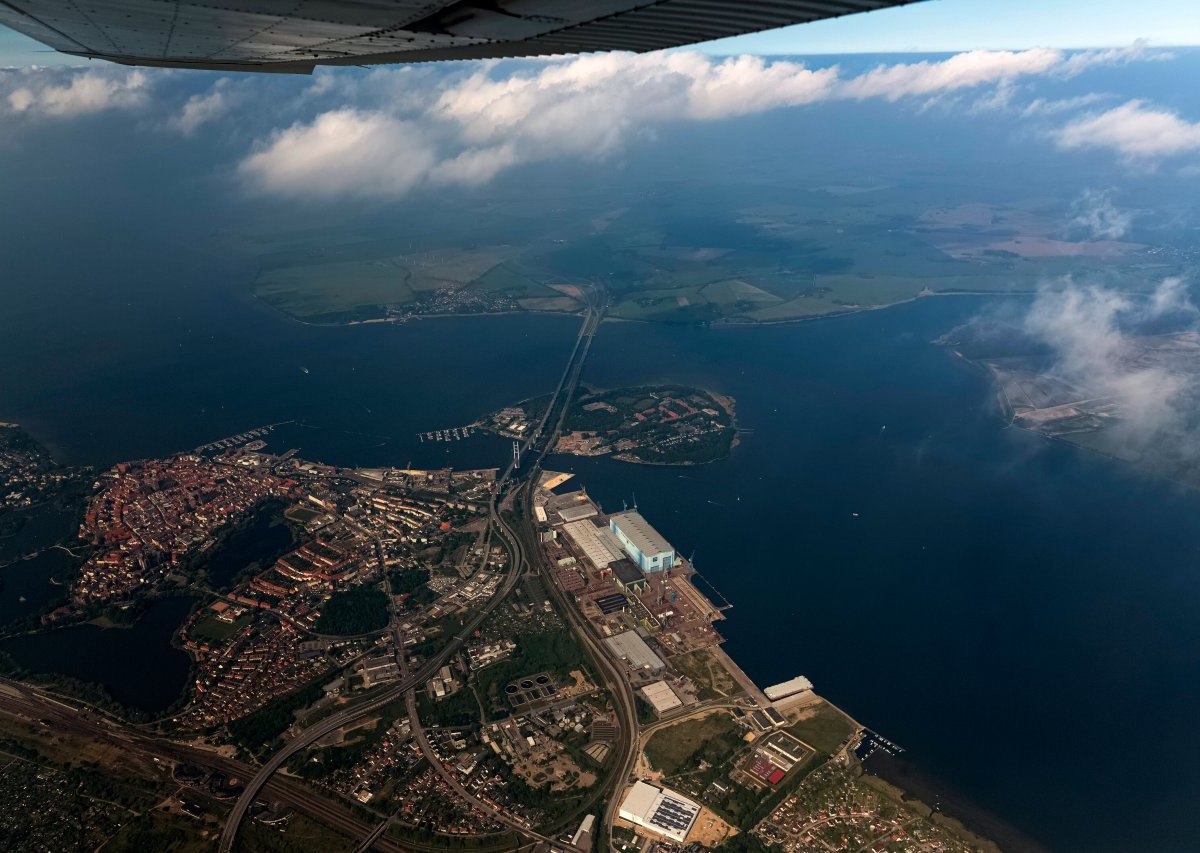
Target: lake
point(138, 666)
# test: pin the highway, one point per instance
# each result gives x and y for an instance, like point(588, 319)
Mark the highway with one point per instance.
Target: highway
point(525, 555)
point(518, 566)
point(335, 721)
point(19, 699)
point(611, 672)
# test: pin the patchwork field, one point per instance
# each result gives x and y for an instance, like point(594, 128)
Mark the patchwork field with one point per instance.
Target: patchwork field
point(752, 255)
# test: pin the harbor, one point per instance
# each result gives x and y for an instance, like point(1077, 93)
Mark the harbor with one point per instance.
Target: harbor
point(452, 434)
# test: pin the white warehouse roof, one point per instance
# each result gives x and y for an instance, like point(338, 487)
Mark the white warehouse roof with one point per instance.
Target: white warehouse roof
point(661, 697)
point(646, 538)
point(585, 536)
point(660, 810)
point(633, 649)
point(576, 513)
point(796, 685)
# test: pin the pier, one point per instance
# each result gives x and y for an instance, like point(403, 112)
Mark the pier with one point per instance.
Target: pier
point(452, 434)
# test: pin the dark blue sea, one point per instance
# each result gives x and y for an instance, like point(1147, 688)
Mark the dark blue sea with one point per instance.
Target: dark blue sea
point(1023, 617)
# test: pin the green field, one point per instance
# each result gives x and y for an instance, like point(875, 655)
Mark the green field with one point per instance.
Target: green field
point(302, 515)
point(212, 628)
point(751, 253)
point(681, 747)
point(711, 679)
point(326, 292)
point(823, 727)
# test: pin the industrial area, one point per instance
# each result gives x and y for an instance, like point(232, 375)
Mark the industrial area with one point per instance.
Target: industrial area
point(404, 659)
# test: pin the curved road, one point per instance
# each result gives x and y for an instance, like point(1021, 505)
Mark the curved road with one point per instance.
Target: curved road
point(518, 565)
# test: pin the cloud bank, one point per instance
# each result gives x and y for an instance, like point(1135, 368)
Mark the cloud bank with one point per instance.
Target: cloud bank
point(466, 130)
point(1134, 130)
point(59, 93)
point(394, 130)
point(1089, 331)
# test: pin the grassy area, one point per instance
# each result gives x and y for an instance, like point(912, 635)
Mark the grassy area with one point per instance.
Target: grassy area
point(556, 652)
point(823, 727)
point(499, 843)
point(218, 630)
point(681, 747)
point(457, 709)
point(746, 255)
point(159, 830)
point(301, 514)
point(300, 833)
point(319, 292)
point(712, 680)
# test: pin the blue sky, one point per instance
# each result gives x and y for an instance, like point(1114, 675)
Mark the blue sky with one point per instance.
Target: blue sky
point(933, 25)
point(954, 25)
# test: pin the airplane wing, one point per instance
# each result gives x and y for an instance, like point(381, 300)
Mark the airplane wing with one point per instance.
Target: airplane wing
point(297, 35)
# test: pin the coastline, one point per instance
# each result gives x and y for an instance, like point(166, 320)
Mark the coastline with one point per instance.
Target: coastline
point(916, 787)
point(720, 323)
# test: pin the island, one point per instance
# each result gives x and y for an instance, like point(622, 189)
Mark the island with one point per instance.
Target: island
point(646, 424)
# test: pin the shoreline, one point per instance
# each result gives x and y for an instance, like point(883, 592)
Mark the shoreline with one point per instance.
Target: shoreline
point(916, 786)
point(721, 323)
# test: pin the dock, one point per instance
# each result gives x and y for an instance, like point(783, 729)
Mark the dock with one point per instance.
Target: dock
point(452, 434)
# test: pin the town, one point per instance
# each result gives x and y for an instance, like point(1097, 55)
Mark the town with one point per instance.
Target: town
point(587, 704)
point(28, 476)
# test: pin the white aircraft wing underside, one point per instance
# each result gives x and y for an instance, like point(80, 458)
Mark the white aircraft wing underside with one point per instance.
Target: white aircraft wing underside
point(296, 35)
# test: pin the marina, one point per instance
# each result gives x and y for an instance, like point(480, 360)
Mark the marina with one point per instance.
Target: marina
point(452, 434)
point(254, 436)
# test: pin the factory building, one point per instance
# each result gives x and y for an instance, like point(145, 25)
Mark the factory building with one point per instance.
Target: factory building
point(647, 548)
point(577, 512)
point(632, 649)
point(596, 543)
point(799, 684)
point(659, 810)
point(628, 576)
point(661, 697)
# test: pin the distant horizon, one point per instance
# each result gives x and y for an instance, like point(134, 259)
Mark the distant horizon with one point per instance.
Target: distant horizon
point(926, 27)
point(703, 47)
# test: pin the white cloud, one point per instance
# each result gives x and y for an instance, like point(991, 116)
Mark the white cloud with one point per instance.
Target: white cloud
point(961, 71)
point(1134, 130)
point(474, 127)
point(1057, 106)
point(45, 92)
point(1095, 212)
point(474, 166)
point(1085, 329)
point(203, 108)
point(344, 152)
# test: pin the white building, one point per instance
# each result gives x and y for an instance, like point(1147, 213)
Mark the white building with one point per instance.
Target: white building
point(632, 649)
point(660, 810)
point(799, 684)
point(661, 697)
point(647, 548)
point(599, 550)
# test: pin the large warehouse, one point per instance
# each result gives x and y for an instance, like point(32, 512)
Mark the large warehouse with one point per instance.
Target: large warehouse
point(644, 545)
point(597, 543)
point(659, 810)
point(632, 649)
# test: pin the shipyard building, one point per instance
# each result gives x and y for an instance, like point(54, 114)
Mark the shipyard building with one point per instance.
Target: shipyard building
point(647, 548)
